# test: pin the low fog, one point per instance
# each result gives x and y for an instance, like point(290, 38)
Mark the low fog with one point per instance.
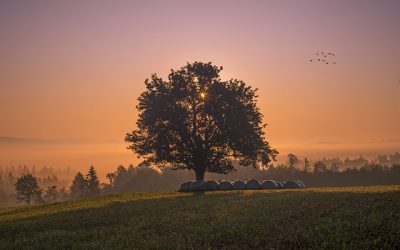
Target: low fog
point(358, 171)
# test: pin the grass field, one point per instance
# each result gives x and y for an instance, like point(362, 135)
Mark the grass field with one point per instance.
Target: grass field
point(351, 218)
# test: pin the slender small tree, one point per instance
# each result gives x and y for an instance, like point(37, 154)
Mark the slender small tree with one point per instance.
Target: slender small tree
point(307, 167)
point(78, 187)
point(292, 160)
point(27, 188)
point(319, 167)
point(51, 194)
point(197, 121)
point(37, 196)
point(110, 177)
point(92, 183)
point(334, 166)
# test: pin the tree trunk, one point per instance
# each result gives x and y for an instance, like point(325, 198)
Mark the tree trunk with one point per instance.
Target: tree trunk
point(200, 174)
point(199, 160)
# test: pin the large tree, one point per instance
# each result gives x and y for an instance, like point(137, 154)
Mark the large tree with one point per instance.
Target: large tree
point(197, 121)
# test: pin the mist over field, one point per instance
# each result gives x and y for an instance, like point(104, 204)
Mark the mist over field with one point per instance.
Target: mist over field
point(78, 155)
point(57, 163)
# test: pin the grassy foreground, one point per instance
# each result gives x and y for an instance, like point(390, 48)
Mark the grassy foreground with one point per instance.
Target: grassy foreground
point(362, 218)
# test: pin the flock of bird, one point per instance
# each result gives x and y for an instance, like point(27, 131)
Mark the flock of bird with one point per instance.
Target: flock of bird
point(327, 58)
point(324, 57)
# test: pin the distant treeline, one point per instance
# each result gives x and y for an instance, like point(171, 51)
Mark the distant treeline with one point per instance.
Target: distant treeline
point(46, 175)
point(347, 163)
point(384, 170)
point(47, 178)
point(134, 179)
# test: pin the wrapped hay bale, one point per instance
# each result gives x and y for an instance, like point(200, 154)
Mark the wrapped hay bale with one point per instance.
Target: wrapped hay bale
point(224, 185)
point(239, 185)
point(185, 187)
point(196, 186)
point(301, 184)
point(280, 185)
point(211, 185)
point(292, 185)
point(269, 184)
point(253, 184)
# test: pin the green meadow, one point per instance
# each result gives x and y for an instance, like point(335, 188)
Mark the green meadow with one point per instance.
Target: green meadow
point(317, 218)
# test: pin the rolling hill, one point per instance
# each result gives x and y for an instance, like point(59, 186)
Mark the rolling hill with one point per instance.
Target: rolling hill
point(358, 217)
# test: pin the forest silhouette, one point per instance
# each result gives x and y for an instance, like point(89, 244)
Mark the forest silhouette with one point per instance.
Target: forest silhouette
point(333, 172)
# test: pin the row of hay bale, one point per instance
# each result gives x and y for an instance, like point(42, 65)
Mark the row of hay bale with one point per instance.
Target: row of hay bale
point(253, 184)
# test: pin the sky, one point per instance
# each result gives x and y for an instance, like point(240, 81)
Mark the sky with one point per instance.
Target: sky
point(71, 71)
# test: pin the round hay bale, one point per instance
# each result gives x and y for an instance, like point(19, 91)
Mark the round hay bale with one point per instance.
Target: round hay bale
point(239, 185)
point(280, 184)
point(224, 185)
point(269, 184)
point(292, 185)
point(301, 184)
point(211, 185)
point(185, 187)
point(253, 184)
point(196, 186)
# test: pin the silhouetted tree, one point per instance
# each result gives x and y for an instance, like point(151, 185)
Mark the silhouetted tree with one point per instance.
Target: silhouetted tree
point(198, 122)
point(37, 196)
point(92, 183)
point(292, 160)
point(306, 166)
point(110, 177)
point(50, 194)
point(319, 167)
point(78, 188)
point(334, 166)
point(27, 188)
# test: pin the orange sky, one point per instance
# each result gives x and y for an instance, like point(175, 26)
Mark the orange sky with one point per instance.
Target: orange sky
point(70, 72)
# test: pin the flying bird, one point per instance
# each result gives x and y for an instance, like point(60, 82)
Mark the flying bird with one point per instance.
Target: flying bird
point(323, 57)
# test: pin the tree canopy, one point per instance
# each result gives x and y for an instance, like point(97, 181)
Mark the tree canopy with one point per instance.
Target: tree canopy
point(85, 186)
point(27, 187)
point(196, 121)
point(92, 183)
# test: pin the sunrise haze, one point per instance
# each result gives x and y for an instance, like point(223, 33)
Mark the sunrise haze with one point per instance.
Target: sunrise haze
point(71, 71)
